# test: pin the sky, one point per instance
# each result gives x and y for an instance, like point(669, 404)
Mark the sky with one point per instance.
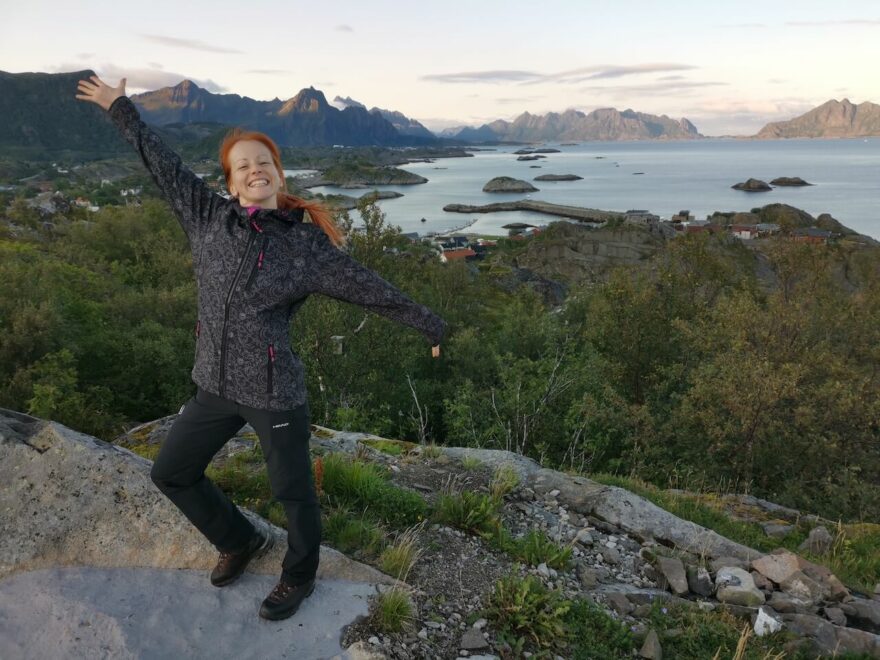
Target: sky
point(728, 67)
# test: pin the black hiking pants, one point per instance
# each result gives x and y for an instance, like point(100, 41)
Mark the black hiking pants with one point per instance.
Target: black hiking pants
point(206, 423)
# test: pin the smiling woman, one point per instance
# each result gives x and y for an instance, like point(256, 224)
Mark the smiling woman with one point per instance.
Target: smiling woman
point(256, 261)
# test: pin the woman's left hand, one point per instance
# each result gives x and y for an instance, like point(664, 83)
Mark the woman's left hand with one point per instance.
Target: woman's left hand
point(435, 351)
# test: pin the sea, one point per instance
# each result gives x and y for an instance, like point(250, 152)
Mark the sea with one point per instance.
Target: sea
point(661, 177)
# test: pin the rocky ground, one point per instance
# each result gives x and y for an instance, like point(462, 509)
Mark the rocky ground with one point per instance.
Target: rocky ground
point(626, 554)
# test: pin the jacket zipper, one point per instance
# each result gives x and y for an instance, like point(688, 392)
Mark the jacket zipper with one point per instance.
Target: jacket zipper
point(270, 364)
point(259, 264)
point(224, 340)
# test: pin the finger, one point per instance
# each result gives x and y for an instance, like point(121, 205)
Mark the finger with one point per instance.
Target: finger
point(85, 87)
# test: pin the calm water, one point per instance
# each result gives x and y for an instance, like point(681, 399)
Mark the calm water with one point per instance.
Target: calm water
point(694, 175)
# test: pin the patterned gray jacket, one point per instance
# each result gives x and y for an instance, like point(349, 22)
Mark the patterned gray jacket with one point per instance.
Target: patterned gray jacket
point(254, 270)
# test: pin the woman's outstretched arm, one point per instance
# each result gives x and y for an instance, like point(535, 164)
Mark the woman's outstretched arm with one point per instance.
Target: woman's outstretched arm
point(334, 273)
point(192, 201)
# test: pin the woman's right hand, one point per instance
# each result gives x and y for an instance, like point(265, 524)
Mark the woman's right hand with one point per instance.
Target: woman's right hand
point(99, 92)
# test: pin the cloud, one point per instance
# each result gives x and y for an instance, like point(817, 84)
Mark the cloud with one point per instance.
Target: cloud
point(270, 72)
point(85, 56)
point(141, 79)
point(342, 27)
point(850, 22)
point(571, 76)
point(518, 99)
point(744, 25)
point(671, 78)
point(492, 77)
point(681, 88)
point(192, 44)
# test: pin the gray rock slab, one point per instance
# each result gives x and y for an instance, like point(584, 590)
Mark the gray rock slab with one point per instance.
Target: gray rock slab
point(615, 506)
point(69, 499)
point(147, 613)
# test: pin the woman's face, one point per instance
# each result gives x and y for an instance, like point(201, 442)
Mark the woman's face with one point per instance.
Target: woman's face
point(253, 179)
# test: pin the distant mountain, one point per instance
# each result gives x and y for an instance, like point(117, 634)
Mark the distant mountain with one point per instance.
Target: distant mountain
point(833, 119)
point(40, 115)
point(307, 119)
point(572, 125)
point(403, 124)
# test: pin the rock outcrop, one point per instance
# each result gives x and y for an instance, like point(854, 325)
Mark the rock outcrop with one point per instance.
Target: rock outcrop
point(789, 181)
point(506, 184)
point(558, 177)
point(69, 499)
point(752, 185)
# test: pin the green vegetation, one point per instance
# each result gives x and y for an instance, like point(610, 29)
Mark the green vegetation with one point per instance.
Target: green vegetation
point(400, 556)
point(470, 462)
point(363, 487)
point(504, 481)
point(471, 512)
point(393, 611)
point(686, 368)
point(358, 537)
point(528, 615)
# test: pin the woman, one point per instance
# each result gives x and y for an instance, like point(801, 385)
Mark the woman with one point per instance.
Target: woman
point(256, 261)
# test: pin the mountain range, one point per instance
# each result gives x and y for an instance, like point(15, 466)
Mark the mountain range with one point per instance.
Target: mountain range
point(832, 119)
point(40, 117)
point(572, 125)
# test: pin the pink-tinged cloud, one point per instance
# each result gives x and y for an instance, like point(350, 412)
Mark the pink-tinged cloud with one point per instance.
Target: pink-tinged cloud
point(191, 44)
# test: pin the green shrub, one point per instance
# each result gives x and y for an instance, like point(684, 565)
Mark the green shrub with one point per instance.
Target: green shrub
point(393, 611)
point(528, 615)
point(352, 535)
point(471, 512)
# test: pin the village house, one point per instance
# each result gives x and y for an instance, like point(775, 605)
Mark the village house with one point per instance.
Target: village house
point(744, 232)
point(811, 235)
point(458, 254)
point(682, 216)
point(640, 217)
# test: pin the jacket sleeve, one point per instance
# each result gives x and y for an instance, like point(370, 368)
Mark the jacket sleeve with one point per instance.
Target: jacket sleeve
point(190, 198)
point(334, 273)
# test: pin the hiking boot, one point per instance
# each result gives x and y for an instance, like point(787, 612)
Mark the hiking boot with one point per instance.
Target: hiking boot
point(285, 599)
point(231, 565)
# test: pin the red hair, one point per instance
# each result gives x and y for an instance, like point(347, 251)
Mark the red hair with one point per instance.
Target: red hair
point(319, 214)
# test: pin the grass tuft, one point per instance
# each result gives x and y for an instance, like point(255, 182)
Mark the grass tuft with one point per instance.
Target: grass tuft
point(393, 611)
point(398, 558)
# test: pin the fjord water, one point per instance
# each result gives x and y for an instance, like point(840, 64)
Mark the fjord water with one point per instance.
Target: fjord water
point(695, 175)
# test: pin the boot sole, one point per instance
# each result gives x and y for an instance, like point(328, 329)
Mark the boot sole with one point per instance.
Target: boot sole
point(266, 546)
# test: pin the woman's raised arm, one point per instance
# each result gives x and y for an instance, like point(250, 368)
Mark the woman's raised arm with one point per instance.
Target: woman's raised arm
point(190, 198)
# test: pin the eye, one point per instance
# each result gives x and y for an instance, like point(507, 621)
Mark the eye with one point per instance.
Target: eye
point(242, 167)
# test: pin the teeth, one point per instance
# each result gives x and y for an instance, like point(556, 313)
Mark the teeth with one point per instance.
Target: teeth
point(258, 183)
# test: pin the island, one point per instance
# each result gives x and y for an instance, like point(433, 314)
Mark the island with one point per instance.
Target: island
point(508, 184)
point(558, 177)
point(789, 181)
point(752, 185)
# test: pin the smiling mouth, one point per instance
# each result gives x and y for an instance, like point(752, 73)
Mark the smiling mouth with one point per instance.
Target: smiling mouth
point(259, 183)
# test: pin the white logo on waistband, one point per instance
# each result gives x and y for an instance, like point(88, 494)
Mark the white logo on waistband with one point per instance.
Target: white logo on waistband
point(278, 426)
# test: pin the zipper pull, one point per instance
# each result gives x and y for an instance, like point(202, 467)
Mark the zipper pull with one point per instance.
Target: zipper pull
point(260, 260)
point(256, 226)
point(272, 352)
point(198, 327)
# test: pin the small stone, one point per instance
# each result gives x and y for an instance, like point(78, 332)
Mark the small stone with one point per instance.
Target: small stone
point(374, 641)
point(619, 603)
point(762, 582)
point(735, 586)
point(553, 493)
point(543, 570)
point(778, 567)
point(651, 648)
point(673, 570)
point(433, 624)
point(472, 640)
point(776, 529)
point(724, 562)
point(587, 576)
point(835, 615)
point(803, 587)
point(699, 581)
point(584, 537)
point(479, 624)
point(766, 624)
point(423, 633)
point(818, 542)
point(611, 555)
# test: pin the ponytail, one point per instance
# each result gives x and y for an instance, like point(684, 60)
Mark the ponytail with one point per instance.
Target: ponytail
point(319, 214)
